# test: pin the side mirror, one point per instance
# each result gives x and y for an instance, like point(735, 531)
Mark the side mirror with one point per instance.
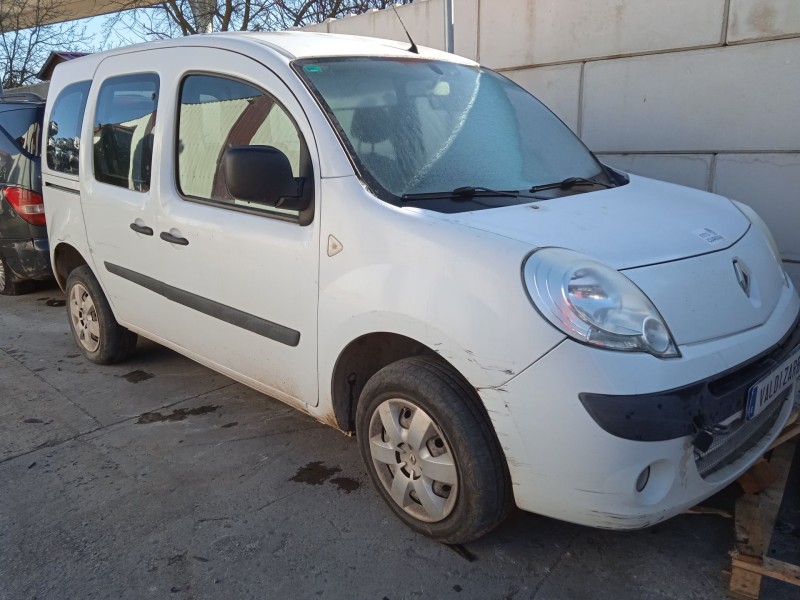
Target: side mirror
point(262, 174)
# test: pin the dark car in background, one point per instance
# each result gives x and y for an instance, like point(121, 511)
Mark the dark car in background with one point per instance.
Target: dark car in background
point(24, 252)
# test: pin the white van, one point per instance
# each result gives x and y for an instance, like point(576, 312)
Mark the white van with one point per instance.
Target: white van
point(412, 248)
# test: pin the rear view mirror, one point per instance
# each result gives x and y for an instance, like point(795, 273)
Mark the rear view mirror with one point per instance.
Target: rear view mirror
point(262, 174)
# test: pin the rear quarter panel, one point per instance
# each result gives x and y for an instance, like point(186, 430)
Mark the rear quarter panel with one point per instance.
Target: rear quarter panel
point(62, 198)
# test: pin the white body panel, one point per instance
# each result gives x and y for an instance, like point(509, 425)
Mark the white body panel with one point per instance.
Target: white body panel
point(451, 282)
point(651, 231)
point(714, 298)
point(417, 279)
point(65, 223)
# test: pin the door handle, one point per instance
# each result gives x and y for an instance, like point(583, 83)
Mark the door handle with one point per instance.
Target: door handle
point(142, 229)
point(173, 239)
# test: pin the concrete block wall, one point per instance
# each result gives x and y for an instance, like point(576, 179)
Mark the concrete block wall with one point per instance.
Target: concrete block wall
point(424, 19)
point(705, 93)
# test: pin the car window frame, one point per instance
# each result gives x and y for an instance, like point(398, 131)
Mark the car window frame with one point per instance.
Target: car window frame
point(95, 107)
point(303, 218)
point(81, 121)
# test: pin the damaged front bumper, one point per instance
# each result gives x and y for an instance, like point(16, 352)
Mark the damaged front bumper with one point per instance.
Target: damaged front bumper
point(614, 440)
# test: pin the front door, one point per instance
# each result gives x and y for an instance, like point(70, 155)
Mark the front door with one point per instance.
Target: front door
point(242, 278)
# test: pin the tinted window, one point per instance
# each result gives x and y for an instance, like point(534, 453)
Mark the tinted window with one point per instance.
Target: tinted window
point(64, 130)
point(218, 113)
point(20, 131)
point(123, 131)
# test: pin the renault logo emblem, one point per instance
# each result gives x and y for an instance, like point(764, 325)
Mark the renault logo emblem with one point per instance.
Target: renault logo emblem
point(742, 275)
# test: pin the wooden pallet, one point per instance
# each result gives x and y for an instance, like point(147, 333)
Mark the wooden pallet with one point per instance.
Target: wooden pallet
point(755, 516)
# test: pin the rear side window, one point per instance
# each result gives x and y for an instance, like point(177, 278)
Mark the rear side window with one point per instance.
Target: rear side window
point(217, 113)
point(123, 130)
point(20, 132)
point(64, 129)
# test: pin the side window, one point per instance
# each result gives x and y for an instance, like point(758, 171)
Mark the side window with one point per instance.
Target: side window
point(217, 113)
point(20, 135)
point(64, 130)
point(123, 130)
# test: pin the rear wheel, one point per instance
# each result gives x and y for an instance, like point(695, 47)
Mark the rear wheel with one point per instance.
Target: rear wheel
point(10, 287)
point(99, 337)
point(431, 451)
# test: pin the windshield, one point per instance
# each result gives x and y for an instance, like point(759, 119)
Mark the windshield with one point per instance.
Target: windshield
point(416, 126)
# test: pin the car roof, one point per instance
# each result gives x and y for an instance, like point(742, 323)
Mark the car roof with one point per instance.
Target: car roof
point(288, 45)
point(306, 44)
point(20, 100)
point(37, 108)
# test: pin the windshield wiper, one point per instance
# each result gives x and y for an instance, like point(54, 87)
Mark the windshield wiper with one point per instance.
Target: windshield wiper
point(464, 193)
point(568, 183)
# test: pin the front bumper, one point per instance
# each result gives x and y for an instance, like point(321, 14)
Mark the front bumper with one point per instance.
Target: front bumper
point(27, 259)
point(583, 468)
point(688, 409)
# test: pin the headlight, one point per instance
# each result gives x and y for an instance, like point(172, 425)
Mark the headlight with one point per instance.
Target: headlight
point(595, 304)
point(758, 222)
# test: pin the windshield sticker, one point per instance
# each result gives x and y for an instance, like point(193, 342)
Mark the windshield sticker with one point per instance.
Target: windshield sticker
point(312, 69)
point(709, 235)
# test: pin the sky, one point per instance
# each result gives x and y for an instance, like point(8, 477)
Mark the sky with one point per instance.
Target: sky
point(95, 27)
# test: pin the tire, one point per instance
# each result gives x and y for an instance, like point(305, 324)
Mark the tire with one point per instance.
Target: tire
point(10, 287)
point(98, 335)
point(431, 451)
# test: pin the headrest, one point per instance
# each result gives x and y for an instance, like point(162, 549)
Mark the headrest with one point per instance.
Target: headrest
point(371, 124)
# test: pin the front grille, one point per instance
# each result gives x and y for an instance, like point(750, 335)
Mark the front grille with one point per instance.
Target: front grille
point(739, 439)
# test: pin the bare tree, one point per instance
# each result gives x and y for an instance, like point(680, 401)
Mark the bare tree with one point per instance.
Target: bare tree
point(29, 31)
point(173, 18)
point(305, 12)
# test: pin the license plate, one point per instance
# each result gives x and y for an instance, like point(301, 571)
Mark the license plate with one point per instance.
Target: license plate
point(769, 387)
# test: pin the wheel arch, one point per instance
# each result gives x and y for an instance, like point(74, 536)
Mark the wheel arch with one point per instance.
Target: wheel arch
point(66, 258)
point(361, 359)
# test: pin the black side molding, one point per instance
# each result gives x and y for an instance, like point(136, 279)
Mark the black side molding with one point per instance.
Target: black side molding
point(234, 316)
point(62, 188)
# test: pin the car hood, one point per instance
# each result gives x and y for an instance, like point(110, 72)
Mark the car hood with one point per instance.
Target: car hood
point(641, 223)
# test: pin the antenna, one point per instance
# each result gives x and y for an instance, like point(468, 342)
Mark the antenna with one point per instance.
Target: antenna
point(413, 45)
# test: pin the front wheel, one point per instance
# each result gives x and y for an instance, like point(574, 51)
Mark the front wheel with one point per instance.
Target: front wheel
point(431, 451)
point(99, 337)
